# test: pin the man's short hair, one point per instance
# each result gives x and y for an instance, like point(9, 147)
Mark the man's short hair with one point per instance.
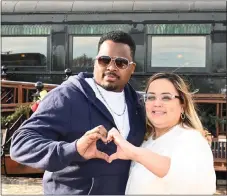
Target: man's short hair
point(119, 37)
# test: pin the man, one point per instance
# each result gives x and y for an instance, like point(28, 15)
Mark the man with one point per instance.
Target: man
point(66, 136)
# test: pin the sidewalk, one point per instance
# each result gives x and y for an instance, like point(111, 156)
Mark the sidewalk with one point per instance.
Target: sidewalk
point(33, 186)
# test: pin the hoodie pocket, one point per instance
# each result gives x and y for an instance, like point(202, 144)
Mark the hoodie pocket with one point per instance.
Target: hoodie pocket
point(66, 184)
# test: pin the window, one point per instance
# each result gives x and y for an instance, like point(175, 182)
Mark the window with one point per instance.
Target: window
point(179, 47)
point(178, 51)
point(83, 43)
point(58, 51)
point(24, 51)
point(84, 51)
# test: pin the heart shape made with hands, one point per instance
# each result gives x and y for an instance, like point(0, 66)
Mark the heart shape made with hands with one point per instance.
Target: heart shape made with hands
point(115, 136)
point(112, 133)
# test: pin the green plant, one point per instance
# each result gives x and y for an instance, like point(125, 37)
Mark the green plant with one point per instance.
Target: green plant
point(211, 119)
point(7, 121)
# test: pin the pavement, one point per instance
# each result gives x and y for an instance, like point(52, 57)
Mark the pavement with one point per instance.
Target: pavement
point(33, 186)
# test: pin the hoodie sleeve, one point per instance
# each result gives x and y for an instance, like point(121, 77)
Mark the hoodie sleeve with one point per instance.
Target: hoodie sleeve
point(37, 142)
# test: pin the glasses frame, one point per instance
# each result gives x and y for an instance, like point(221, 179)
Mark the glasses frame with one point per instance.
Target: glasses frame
point(114, 59)
point(158, 97)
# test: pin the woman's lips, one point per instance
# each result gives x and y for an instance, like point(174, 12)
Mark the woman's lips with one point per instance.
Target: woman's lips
point(158, 113)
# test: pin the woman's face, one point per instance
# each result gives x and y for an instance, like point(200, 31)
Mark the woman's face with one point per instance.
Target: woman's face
point(162, 110)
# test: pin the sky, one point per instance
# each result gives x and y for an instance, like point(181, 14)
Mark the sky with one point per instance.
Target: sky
point(178, 51)
point(24, 44)
point(85, 45)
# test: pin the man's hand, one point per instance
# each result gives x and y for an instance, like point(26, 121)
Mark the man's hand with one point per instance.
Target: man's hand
point(86, 145)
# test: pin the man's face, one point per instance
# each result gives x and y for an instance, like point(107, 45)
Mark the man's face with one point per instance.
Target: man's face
point(109, 76)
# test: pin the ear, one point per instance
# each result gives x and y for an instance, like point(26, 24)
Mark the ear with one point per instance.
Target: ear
point(133, 66)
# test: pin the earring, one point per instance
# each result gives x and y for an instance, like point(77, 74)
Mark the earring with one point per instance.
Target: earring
point(182, 115)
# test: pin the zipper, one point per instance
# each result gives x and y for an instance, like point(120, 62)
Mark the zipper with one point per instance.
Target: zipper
point(92, 184)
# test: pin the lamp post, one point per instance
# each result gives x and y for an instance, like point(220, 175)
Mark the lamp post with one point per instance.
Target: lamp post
point(3, 73)
point(68, 73)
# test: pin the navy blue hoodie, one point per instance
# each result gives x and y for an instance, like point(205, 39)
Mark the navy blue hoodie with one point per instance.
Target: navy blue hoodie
point(47, 140)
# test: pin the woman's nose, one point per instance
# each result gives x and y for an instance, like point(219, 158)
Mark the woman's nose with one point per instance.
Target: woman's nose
point(157, 102)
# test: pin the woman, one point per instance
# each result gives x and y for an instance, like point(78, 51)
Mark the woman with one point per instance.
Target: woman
point(175, 158)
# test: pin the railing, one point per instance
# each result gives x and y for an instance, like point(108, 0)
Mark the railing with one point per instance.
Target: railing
point(219, 149)
point(14, 93)
point(219, 100)
point(219, 152)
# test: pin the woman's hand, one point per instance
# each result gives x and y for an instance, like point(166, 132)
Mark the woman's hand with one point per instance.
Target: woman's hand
point(125, 150)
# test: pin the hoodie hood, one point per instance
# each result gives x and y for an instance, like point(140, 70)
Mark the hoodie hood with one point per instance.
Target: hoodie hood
point(79, 82)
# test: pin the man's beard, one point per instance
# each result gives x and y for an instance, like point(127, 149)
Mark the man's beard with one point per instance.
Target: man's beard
point(109, 87)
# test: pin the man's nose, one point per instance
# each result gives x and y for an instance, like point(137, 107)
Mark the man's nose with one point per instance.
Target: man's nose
point(112, 65)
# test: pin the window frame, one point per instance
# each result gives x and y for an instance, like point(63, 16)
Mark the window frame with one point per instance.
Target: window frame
point(33, 68)
point(208, 55)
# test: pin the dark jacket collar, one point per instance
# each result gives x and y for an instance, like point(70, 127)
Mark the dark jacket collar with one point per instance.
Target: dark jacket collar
point(130, 93)
point(132, 99)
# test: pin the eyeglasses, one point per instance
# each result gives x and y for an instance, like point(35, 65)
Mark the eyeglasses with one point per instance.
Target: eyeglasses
point(120, 62)
point(162, 97)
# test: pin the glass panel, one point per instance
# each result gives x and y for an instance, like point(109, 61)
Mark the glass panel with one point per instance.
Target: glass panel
point(178, 51)
point(179, 28)
point(140, 51)
point(97, 29)
point(84, 51)
point(139, 58)
point(26, 29)
point(58, 51)
point(24, 51)
point(219, 57)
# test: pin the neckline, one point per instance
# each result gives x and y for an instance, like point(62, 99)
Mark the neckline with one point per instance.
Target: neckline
point(109, 92)
point(166, 134)
point(107, 104)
